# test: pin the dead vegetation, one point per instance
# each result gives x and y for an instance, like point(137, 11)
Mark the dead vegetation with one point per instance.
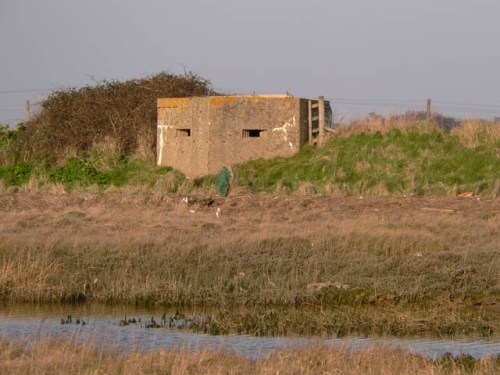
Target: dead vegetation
point(472, 132)
point(434, 261)
point(74, 120)
point(69, 357)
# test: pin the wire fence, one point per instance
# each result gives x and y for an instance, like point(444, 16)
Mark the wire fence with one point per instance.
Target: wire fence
point(344, 109)
point(454, 109)
point(11, 112)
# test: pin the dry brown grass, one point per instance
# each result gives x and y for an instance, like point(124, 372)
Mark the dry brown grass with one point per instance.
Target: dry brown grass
point(474, 133)
point(65, 357)
point(421, 256)
point(3, 187)
point(383, 125)
point(144, 150)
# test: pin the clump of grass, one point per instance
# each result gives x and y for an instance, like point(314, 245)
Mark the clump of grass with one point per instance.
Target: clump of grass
point(78, 170)
point(16, 174)
point(11, 143)
point(345, 320)
point(13, 170)
point(475, 133)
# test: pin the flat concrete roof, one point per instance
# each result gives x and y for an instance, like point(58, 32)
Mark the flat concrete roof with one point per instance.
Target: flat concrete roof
point(165, 102)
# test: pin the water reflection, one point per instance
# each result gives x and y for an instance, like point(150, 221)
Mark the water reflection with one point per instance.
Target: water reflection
point(30, 322)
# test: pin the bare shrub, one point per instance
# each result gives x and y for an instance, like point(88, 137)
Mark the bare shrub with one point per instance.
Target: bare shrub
point(123, 111)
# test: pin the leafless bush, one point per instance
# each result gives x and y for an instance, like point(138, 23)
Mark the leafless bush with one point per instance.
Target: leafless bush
point(78, 118)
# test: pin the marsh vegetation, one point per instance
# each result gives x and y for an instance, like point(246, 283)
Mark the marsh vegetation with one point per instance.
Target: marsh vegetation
point(69, 357)
point(301, 264)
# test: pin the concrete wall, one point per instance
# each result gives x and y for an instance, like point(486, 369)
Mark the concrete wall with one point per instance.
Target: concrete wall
point(200, 135)
point(189, 154)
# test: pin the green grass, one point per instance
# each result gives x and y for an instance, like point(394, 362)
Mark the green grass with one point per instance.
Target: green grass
point(75, 170)
point(414, 162)
point(16, 174)
point(95, 167)
point(85, 171)
point(8, 135)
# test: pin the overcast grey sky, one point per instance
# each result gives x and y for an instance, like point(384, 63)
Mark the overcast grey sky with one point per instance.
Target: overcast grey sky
point(366, 55)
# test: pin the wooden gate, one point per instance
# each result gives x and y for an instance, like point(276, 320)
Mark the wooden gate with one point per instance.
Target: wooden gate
point(318, 122)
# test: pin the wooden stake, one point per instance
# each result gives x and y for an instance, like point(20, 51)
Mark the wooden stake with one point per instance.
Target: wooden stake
point(310, 123)
point(28, 116)
point(429, 110)
point(321, 104)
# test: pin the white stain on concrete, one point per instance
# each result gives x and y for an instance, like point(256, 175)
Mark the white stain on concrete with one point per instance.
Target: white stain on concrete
point(285, 129)
point(162, 137)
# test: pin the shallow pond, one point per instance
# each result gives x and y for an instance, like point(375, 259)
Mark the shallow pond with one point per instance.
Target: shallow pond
point(102, 326)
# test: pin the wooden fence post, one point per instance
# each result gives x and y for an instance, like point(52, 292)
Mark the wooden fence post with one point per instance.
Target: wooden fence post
point(429, 111)
point(321, 108)
point(310, 123)
point(28, 115)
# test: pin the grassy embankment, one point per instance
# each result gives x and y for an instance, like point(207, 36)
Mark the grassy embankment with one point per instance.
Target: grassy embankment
point(398, 157)
point(105, 136)
point(67, 357)
point(368, 158)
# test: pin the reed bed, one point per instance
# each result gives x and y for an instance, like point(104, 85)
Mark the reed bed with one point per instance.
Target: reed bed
point(299, 264)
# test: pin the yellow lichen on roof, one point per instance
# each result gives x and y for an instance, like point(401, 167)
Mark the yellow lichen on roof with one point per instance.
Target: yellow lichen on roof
point(172, 102)
point(219, 101)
